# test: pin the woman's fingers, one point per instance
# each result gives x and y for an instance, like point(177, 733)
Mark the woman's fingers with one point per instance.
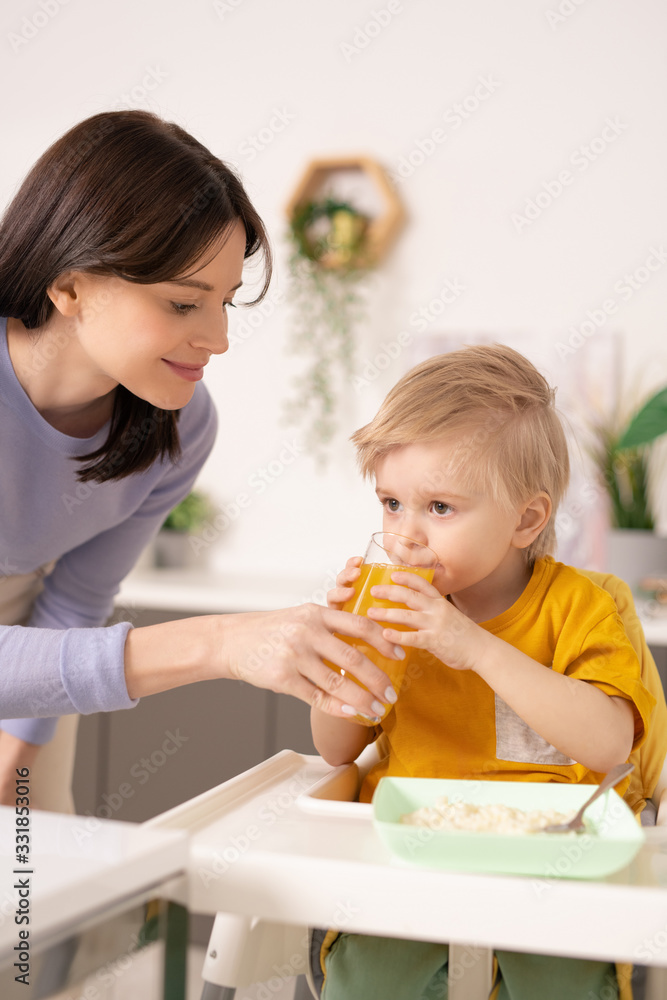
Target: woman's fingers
point(281, 650)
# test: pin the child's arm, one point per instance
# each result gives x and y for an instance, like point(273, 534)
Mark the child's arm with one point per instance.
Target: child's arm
point(573, 715)
point(342, 742)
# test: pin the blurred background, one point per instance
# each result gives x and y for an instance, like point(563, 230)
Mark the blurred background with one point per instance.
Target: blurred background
point(526, 142)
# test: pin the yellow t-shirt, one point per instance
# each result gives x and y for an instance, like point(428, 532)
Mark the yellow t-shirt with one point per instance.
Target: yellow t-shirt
point(451, 724)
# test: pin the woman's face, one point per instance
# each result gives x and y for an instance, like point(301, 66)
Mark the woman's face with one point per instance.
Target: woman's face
point(156, 339)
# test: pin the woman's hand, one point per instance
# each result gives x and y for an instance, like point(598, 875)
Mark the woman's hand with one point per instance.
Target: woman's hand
point(284, 650)
point(439, 627)
point(279, 650)
point(344, 589)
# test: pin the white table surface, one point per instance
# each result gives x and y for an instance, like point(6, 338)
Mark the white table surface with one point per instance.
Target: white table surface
point(254, 851)
point(81, 867)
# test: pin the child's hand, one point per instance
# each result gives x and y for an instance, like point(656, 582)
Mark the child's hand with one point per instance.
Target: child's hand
point(344, 588)
point(440, 627)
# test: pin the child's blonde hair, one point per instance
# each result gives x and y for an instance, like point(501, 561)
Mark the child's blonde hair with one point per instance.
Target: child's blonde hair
point(501, 413)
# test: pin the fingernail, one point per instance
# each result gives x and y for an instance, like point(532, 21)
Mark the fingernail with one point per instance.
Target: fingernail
point(400, 652)
point(378, 708)
point(349, 710)
point(390, 695)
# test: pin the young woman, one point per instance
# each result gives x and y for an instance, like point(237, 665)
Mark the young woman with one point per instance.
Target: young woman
point(119, 258)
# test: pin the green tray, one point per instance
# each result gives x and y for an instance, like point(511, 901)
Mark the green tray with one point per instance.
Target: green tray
point(616, 838)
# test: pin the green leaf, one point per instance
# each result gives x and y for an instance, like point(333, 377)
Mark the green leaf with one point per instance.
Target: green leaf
point(648, 424)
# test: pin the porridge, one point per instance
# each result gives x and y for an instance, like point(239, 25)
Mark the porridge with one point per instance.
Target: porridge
point(491, 818)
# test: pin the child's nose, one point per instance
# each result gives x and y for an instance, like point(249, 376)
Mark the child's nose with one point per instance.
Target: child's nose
point(413, 529)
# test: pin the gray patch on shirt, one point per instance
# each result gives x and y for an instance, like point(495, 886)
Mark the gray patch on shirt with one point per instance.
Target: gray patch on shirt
point(516, 741)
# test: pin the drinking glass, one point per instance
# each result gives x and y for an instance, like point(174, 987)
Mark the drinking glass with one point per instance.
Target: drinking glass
point(387, 553)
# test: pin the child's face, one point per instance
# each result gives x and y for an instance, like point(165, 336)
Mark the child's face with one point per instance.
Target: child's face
point(155, 339)
point(425, 496)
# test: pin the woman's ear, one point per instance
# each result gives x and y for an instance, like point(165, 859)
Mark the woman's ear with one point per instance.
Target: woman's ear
point(64, 293)
point(534, 517)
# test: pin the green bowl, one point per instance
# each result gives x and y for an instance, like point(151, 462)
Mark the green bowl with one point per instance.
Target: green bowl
point(615, 838)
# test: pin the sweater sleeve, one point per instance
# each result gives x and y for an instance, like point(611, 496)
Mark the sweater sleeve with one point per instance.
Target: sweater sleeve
point(63, 671)
point(78, 594)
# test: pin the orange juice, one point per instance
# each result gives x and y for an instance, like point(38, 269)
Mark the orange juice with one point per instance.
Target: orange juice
point(374, 575)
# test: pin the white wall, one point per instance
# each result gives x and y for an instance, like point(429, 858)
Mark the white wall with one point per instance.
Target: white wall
point(553, 82)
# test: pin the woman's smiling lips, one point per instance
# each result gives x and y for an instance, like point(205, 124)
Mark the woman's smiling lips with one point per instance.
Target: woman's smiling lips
point(191, 373)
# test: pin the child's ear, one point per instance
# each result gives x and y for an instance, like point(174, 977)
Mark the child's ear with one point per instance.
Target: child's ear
point(534, 517)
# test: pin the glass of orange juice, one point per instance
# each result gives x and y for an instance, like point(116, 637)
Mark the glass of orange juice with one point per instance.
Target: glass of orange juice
point(387, 553)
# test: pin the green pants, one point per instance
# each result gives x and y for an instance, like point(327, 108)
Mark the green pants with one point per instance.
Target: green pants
point(374, 968)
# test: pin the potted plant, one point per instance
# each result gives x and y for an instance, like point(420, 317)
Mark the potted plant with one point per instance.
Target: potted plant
point(173, 544)
point(623, 455)
point(327, 268)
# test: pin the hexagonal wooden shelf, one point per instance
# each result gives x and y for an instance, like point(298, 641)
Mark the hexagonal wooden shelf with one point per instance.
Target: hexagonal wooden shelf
point(382, 228)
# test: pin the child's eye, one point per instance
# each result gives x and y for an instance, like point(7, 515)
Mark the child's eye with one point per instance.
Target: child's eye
point(183, 307)
point(441, 508)
point(390, 504)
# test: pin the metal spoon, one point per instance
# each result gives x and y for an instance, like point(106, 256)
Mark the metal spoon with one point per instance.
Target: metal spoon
point(577, 823)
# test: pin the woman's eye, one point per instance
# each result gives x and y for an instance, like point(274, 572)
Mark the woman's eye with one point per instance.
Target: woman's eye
point(232, 305)
point(438, 507)
point(183, 307)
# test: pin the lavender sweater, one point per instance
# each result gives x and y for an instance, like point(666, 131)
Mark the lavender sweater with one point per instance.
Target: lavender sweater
point(62, 662)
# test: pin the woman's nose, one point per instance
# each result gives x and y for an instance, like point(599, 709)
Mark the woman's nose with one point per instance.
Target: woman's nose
point(213, 336)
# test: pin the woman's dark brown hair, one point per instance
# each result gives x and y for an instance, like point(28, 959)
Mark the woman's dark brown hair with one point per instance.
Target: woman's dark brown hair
point(122, 193)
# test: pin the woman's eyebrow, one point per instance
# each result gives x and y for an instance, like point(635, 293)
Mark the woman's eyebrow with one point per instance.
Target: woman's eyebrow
point(191, 283)
point(194, 283)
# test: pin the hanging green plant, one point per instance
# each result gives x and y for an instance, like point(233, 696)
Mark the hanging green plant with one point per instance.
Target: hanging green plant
point(327, 268)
